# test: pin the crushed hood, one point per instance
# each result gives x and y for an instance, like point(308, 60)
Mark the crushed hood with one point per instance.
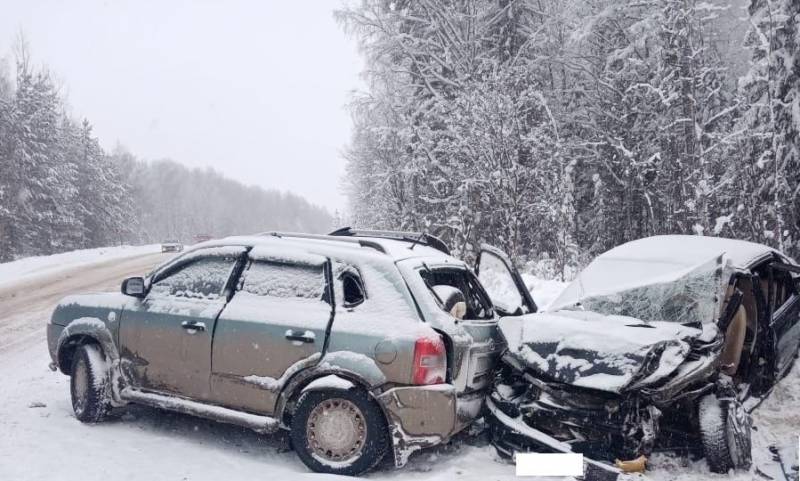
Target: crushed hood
point(595, 351)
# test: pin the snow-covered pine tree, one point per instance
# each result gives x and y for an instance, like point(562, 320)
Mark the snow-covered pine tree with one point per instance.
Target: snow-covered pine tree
point(771, 204)
point(59, 190)
point(103, 199)
point(39, 218)
point(7, 231)
point(454, 136)
point(652, 108)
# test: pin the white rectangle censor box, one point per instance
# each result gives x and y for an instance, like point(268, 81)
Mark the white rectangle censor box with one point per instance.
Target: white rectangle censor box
point(549, 464)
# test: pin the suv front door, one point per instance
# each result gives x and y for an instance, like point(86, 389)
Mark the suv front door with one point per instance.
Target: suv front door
point(502, 282)
point(166, 336)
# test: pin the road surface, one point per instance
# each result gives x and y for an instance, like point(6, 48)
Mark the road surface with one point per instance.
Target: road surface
point(25, 306)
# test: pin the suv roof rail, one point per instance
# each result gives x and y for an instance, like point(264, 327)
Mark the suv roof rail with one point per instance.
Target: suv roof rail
point(415, 237)
point(301, 235)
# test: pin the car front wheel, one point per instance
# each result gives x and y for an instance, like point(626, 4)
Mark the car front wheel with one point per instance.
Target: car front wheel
point(725, 432)
point(89, 386)
point(339, 431)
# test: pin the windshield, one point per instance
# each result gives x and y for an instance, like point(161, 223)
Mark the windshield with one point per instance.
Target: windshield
point(685, 295)
point(478, 304)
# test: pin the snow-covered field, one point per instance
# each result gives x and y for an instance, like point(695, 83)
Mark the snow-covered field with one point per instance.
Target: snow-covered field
point(41, 440)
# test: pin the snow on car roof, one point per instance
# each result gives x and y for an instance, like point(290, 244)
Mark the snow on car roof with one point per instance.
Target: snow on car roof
point(400, 250)
point(689, 250)
point(342, 247)
point(658, 260)
point(386, 284)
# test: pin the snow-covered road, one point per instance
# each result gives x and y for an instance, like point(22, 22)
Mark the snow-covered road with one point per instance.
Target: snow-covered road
point(41, 440)
point(27, 297)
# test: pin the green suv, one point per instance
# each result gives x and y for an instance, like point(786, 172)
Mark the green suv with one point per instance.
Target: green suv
point(358, 343)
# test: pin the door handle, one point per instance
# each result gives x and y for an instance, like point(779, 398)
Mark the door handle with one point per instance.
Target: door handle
point(300, 336)
point(193, 325)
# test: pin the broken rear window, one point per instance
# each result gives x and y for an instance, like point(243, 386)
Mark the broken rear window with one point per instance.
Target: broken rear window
point(478, 304)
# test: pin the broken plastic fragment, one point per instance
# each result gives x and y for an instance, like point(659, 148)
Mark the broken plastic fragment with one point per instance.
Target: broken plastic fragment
point(637, 465)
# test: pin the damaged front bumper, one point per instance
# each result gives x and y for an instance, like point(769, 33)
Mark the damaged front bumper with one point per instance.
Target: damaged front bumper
point(512, 435)
point(424, 416)
point(598, 424)
point(529, 413)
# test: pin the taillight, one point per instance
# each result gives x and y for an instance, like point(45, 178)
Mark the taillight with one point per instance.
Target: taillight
point(430, 361)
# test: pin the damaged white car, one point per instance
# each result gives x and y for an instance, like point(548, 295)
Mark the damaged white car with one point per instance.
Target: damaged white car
point(657, 345)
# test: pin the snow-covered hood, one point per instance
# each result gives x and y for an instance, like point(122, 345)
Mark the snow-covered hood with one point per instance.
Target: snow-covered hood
point(607, 353)
point(109, 300)
point(103, 306)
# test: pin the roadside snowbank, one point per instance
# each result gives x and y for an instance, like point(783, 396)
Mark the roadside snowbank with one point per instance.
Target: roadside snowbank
point(30, 268)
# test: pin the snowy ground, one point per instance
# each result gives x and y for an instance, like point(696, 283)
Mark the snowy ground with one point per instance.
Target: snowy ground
point(544, 291)
point(41, 440)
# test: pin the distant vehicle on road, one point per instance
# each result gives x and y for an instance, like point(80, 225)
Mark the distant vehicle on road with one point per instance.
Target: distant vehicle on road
point(359, 343)
point(198, 238)
point(171, 246)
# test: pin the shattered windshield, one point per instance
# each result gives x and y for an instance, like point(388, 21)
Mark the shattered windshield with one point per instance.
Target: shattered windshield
point(685, 296)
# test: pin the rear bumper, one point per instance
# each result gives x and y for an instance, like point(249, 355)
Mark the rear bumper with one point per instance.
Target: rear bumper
point(424, 416)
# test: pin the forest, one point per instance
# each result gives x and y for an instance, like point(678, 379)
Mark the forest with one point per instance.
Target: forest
point(557, 129)
point(60, 190)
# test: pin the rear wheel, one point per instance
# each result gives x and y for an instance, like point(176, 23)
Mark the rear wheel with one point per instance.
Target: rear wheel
point(725, 433)
point(339, 432)
point(89, 384)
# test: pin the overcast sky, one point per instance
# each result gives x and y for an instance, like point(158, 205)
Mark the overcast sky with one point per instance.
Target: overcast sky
point(256, 89)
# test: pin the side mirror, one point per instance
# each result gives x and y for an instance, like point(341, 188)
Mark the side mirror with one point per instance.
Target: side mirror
point(133, 286)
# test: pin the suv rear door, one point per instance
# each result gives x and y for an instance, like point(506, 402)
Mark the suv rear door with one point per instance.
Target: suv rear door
point(503, 283)
point(276, 324)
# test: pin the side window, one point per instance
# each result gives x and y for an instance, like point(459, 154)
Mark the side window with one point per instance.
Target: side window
point(203, 278)
point(784, 289)
point(288, 281)
point(352, 288)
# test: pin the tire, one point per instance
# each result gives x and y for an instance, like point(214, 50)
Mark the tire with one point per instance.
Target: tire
point(725, 434)
point(89, 384)
point(360, 448)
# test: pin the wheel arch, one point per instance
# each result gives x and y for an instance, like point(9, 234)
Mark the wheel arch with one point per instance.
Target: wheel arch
point(83, 331)
point(294, 388)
